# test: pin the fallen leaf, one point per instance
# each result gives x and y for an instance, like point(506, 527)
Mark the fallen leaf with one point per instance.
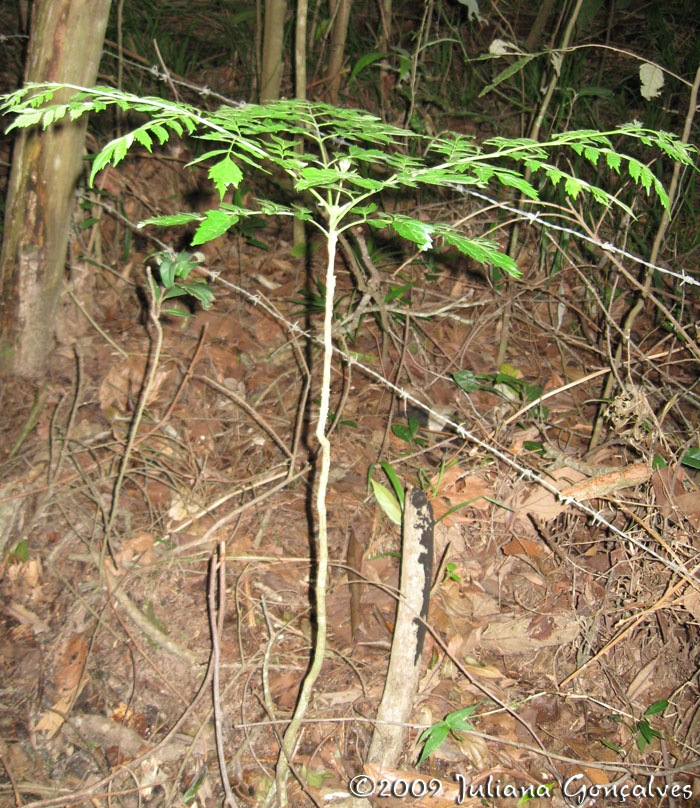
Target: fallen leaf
point(520, 635)
point(540, 502)
point(52, 720)
point(121, 386)
point(527, 547)
point(643, 680)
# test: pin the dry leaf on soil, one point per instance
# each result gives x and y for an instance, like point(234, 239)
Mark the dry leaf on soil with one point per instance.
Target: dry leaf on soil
point(68, 670)
point(521, 635)
point(120, 388)
point(542, 503)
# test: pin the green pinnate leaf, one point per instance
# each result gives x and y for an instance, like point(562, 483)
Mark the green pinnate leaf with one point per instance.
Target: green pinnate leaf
point(646, 178)
point(554, 175)
point(635, 168)
point(101, 160)
point(572, 186)
point(418, 232)
point(121, 147)
point(215, 223)
point(481, 250)
point(225, 173)
point(514, 180)
point(161, 133)
point(172, 220)
point(77, 110)
point(142, 136)
point(47, 117)
point(176, 126)
point(317, 177)
point(613, 160)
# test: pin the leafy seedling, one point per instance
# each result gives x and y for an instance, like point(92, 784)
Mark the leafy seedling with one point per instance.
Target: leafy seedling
point(502, 383)
point(450, 574)
point(645, 733)
point(642, 731)
point(20, 551)
point(390, 504)
point(454, 723)
point(545, 789)
point(435, 490)
point(408, 432)
point(174, 270)
point(331, 417)
point(467, 502)
point(311, 301)
point(194, 786)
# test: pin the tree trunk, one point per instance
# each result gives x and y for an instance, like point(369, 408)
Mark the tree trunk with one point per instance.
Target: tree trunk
point(337, 52)
point(539, 24)
point(384, 40)
point(65, 46)
point(300, 49)
point(273, 39)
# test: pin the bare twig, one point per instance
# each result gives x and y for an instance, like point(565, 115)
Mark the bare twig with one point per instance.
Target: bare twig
point(154, 314)
point(217, 574)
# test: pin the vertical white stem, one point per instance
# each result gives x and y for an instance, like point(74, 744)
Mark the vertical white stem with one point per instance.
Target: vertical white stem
point(319, 651)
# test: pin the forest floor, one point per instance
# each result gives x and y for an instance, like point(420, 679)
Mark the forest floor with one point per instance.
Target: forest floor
point(574, 640)
point(563, 634)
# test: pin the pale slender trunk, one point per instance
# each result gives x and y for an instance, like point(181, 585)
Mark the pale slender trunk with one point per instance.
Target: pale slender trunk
point(273, 38)
point(337, 53)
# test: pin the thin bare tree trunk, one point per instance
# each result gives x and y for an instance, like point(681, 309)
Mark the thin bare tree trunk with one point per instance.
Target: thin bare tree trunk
point(271, 79)
point(300, 48)
point(384, 39)
point(539, 24)
point(65, 46)
point(335, 59)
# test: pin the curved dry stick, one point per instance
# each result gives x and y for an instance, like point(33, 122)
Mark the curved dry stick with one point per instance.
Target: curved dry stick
point(154, 314)
point(217, 574)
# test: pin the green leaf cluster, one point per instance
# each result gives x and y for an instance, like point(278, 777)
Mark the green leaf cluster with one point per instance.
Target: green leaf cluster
point(348, 157)
point(454, 723)
point(174, 270)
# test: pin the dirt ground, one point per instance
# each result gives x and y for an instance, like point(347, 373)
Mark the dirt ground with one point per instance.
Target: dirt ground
point(571, 632)
point(559, 632)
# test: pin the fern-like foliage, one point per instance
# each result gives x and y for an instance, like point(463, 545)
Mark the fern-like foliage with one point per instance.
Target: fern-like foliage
point(348, 157)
